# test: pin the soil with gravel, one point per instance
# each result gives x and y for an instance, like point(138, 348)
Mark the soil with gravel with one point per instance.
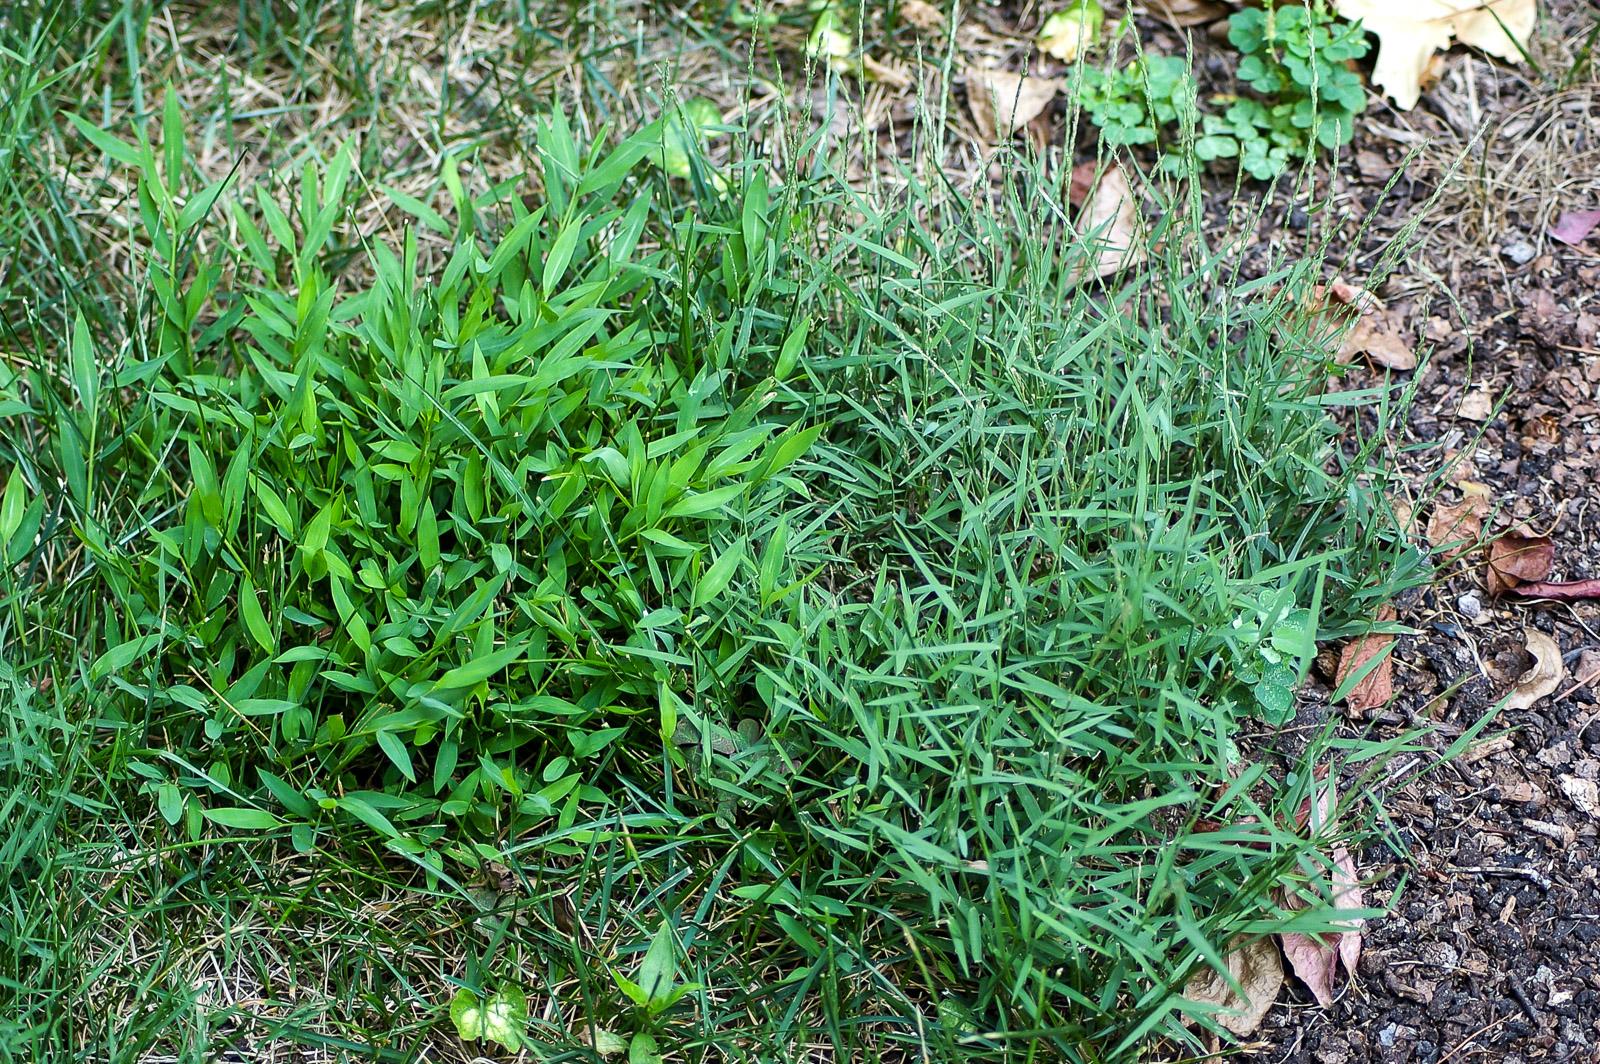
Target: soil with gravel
point(1491, 950)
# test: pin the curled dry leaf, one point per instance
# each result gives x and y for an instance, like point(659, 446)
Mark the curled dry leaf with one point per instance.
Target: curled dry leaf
point(1002, 102)
point(1410, 31)
point(1573, 227)
point(1380, 336)
point(1373, 330)
point(1518, 559)
point(889, 72)
point(1258, 971)
point(922, 15)
point(1376, 687)
point(1350, 295)
point(1110, 219)
point(1559, 590)
point(1546, 675)
point(1582, 793)
point(1316, 961)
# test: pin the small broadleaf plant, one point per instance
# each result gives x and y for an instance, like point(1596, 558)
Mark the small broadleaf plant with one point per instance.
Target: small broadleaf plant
point(684, 136)
point(1273, 645)
point(1297, 60)
point(657, 988)
point(502, 1018)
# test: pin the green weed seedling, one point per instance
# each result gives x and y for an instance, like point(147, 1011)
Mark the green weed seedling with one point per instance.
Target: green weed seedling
point(654, 990)
point(501, 1018)
point(1133, 103)
point(1273, 645)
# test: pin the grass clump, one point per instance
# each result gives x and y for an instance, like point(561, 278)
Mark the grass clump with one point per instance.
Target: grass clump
point(830, 601)
point(418, 553)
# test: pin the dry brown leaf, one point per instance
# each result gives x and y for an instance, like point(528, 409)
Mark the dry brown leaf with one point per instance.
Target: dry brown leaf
point(1350, 295)
point(1002, 102)
point(1454, 528)
point(1083, 179)
point(1516, 559)
point(1410, 32)
point(1574, 227)
point(1404, 516)
point(891, 73)
point(1559, 590)
point(1377, 332)
point(1381, 337)
point(1316, 962)
point(1110, 218)
point(1546, 675)
point(1376, 687)
point(1258, 971)
point(922, 15)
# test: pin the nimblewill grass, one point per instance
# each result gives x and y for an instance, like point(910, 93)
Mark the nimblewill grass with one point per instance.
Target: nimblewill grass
point(823, 619)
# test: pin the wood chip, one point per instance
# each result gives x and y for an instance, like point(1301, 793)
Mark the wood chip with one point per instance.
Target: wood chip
point(1582, 793)
point(1476, 405)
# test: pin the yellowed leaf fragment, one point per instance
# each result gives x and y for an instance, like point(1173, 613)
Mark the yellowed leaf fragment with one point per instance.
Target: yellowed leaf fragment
point(1410, 32)
point(1258, 971)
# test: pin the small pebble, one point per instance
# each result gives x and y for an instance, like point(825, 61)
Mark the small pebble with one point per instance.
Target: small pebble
point(1519, 251)
point(1470, 605)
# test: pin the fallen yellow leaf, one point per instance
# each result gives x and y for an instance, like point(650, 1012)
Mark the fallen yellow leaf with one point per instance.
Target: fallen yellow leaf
point(1410, 31)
